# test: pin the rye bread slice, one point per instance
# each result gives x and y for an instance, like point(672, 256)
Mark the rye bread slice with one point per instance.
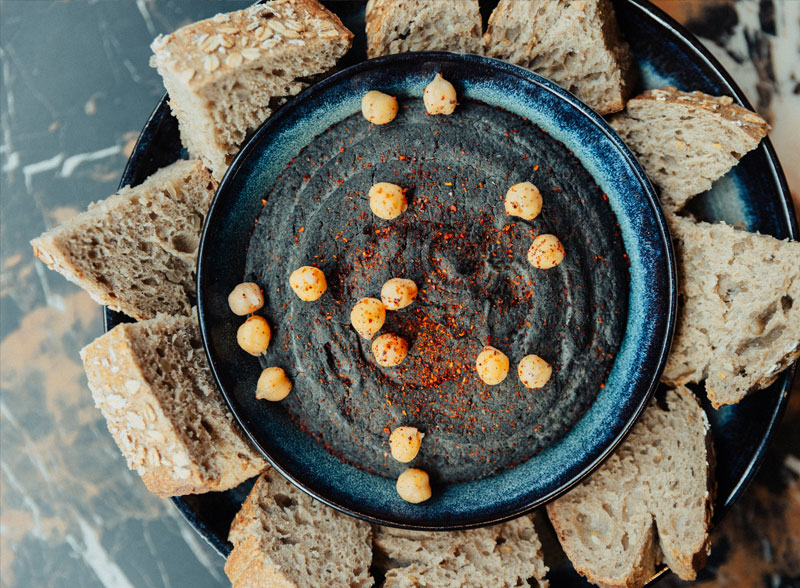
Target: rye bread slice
point(651, 501)
point(501, 556)
point(686, 141)
point(224, 74)
point(739, 324)
point(423, 25)
point(152, 382)
point(283, 538)
point(136, 250)
point(575, 43)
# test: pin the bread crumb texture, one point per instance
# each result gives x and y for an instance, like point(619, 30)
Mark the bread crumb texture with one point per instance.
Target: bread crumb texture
point(152, 382)
point(739, 323)
point(225, 75)
point(284, 538)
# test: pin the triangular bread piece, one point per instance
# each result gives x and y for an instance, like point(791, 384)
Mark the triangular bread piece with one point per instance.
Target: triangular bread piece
point(739, 324)
point(223, 73)
point(501, 556)
point(651, 500)
point(685, 141)
point(575, 43)
point(136, 251)
point(423, 25)
point(152, 382)
point(283, 538)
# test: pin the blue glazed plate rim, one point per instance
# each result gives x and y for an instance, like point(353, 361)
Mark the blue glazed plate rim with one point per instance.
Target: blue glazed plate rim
point(657, 337)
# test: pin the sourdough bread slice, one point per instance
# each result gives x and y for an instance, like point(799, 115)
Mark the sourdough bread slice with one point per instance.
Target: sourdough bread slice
point(136, 251)
point(501, 556)
point(651, 500)
point(152, 382)
point(739, 326)
point(282, 538)
point(685, 141)
point(423, 25)
point(223, 74)
point(575, 43)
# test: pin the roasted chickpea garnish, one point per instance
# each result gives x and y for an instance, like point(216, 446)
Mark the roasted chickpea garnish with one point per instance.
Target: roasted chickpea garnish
point(398, 293)
point(439, 96)
point(378, 108)
point(524, 200)
point(367, 317)
point(387, 201)
point(273, 385)
point(546, 252)
point(245, 298)
point(533, 371)
point(414, 486)
point(308, 283)
point(254, 335)
point(404, 443)
point(492, 365)
point(389, 350)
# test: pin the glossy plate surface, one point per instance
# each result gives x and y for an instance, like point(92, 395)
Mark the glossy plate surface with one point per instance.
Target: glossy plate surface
point(753, 194)
point(637, 366)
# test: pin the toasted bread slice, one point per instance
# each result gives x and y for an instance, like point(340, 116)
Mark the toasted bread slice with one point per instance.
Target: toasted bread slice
point(223, 74)
point(685, 141)
point(739, 325)
point(575, 43)
point(651, 500)
point(152, 382)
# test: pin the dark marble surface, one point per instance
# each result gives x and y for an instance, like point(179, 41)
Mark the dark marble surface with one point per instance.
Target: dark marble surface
point(76, 90)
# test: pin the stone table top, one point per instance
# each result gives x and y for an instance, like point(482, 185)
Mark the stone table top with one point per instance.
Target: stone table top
point(76, 90)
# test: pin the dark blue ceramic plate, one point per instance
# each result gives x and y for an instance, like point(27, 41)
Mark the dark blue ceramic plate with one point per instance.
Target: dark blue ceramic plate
point(754, 194)
point(636, 368)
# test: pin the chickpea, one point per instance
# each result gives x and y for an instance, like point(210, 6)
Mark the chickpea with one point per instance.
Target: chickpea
point(404, 443)
point(534, 372)
point(492, 365)
point(254, 335)
point(308, 283)
point(245, 298)
point(387, 201)
point(439, 96)
point(389, 350)
point(367, 317)
point(414, 486)
point(546, 252)
point(273, 385)
point(378, 108)
point(524, 200)
point(398, 293)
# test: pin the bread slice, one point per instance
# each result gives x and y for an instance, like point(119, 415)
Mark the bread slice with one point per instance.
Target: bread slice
point(223, 73)
point(685, 141)
point(282, 538)
point(739, 326)
point(136, 251)
point(423, 25)
point(574, 43)
point(152, 382)
point(500, 556)
point(651, 500)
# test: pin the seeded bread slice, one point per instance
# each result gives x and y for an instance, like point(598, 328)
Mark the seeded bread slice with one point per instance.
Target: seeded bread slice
point(501, 556)
point(152, 382)
point(401, 26)
point(224, 73)
point(575, 43)
point(651, 500)
point(282, 538)
point(685, 141)
point(740, 321)
point(136, 251)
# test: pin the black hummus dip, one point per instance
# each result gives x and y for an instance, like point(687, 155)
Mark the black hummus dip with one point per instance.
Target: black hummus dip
point(475, 288)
